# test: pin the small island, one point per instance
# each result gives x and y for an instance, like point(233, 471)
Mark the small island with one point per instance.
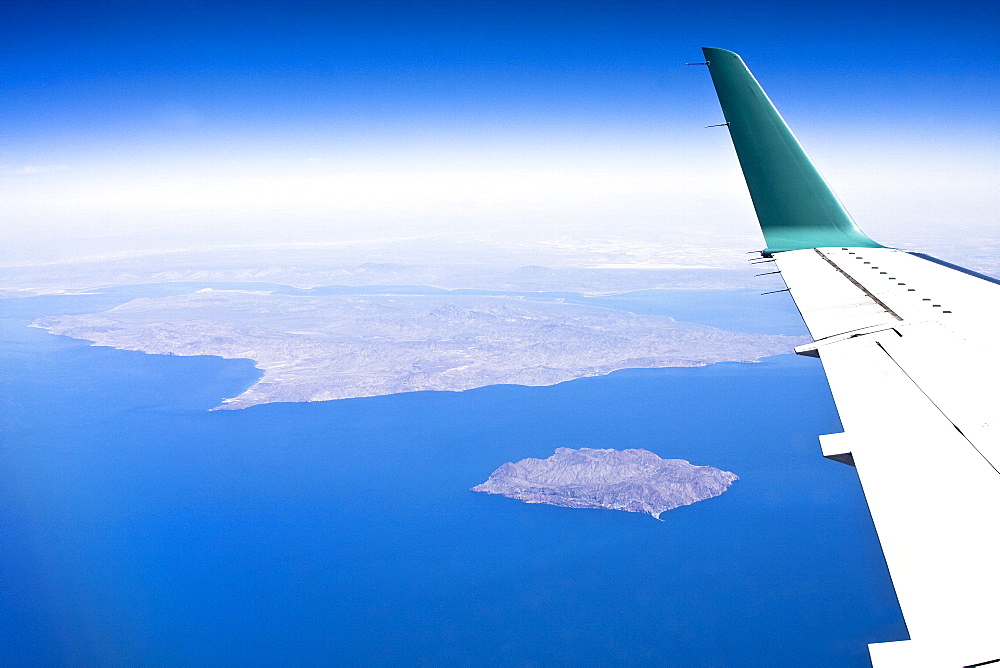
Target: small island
point(634, 480)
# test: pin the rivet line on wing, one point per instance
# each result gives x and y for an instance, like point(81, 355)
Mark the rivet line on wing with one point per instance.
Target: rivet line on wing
point(858, 285)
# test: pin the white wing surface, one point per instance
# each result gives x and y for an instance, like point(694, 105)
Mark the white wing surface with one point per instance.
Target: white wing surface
point(908, 344)
point(904, 342)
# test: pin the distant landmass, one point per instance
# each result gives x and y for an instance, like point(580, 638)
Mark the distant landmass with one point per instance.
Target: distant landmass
point(318, 348)
point(636, 481)
point(565, 264)
point(81, 276)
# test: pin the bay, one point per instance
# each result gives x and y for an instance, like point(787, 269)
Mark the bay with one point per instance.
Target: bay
point(139, 529)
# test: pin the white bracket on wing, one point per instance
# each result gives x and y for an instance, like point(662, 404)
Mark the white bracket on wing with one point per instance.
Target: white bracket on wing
point(837, 447)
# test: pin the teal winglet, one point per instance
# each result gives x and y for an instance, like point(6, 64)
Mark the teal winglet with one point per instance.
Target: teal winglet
point(794, 205)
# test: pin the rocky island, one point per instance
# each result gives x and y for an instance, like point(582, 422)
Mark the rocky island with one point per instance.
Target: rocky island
point(323, 347)
point(636, 481)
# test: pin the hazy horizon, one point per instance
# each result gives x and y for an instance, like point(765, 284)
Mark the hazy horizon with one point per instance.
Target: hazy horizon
point(136, 128)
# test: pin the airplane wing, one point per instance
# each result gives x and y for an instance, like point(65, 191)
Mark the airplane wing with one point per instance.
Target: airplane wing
point(907, 342)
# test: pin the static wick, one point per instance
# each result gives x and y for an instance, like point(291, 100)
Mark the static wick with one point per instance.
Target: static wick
point(772, 292)
point(718, 125)
point(704, 63)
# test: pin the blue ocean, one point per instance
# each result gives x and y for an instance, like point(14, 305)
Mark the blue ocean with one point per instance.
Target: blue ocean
point(137, 528)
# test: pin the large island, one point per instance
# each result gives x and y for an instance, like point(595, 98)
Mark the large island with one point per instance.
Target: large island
point(317, 348)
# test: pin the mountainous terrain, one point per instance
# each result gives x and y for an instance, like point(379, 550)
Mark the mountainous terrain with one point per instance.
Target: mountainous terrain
point(636, 481)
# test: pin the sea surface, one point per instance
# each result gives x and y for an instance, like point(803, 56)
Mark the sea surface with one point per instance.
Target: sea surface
point(137, 528)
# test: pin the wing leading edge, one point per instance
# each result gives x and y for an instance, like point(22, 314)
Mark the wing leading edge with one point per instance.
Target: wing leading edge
point(907, 344)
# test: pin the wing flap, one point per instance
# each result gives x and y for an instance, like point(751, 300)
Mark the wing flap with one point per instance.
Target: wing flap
point(933, 499)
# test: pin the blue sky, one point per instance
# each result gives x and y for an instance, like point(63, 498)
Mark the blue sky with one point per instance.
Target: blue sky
point(152, 123)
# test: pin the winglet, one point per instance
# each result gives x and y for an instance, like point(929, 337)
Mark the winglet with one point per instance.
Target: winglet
point(794, 205)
